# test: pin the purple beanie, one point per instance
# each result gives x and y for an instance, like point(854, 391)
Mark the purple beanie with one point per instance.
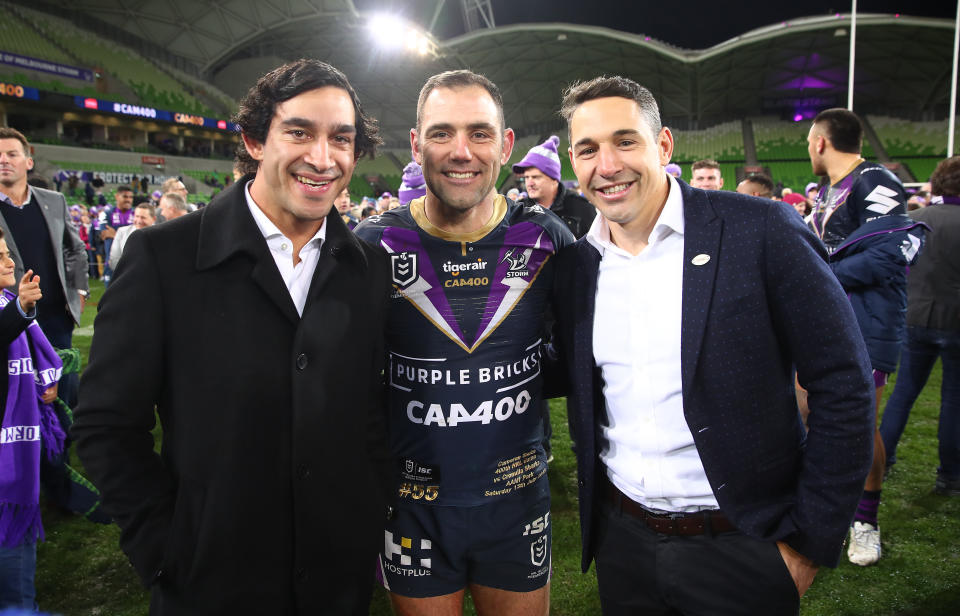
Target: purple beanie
point(544, 157)
point(673, 169)
point(413, 186)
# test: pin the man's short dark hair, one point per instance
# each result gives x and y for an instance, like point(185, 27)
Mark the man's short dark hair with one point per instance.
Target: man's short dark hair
point(124, 188)
point(945, 180)
point(762, 181)
point(11, 133)
point(842, 128)
point(368, 211)
point(709, 163)
point(456, 80)
point(606, 87)
point(283, 83)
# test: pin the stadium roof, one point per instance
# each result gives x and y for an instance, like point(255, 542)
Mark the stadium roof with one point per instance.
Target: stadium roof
point(787, 68)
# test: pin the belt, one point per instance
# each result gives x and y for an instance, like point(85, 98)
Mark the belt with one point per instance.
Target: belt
point(706, 522)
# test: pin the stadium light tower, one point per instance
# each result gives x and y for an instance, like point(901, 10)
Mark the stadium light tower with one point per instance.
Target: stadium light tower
point(391, 32)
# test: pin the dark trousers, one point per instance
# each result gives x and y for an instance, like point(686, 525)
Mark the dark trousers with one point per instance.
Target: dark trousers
point(640, 571)
point(919, 353)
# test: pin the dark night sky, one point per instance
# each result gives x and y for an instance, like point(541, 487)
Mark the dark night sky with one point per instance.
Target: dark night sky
point(694, 24)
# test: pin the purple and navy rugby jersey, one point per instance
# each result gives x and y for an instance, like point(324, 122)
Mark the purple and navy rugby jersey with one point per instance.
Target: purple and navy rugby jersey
point(464, 339)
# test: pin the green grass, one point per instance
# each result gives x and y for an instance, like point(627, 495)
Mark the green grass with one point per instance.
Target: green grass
point(81, 571)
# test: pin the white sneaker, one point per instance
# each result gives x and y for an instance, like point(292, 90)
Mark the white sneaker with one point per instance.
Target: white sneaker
point(864, 548)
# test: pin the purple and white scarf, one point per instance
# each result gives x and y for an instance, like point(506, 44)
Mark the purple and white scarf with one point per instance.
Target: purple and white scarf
point(28, 425)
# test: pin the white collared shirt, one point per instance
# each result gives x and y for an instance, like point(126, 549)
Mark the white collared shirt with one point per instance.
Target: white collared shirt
point(296, 277)
point(647, 447)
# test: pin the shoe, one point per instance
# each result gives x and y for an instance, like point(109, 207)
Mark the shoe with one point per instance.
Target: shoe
point(947, 487)
point(864, 548)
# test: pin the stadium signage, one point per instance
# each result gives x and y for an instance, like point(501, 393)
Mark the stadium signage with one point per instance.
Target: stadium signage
point(46, 66)
point(18, 91)
point(186, 118)
point(163, 115)
point(152, 160)
point(135, 110)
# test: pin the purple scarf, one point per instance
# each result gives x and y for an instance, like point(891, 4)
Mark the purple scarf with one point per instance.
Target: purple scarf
point(27, 424)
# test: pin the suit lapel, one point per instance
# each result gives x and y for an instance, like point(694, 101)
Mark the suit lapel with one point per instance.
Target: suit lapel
point(227, 228)
point(703, 230)
point(585, 296)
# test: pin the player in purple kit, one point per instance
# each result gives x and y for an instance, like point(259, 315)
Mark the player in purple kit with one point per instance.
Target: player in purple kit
point(472, 274)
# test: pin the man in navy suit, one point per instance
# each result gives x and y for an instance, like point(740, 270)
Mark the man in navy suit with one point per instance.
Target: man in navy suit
point(682, 317)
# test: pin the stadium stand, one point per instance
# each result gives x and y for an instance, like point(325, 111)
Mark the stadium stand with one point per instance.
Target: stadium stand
point(785, 140)
point(723, 142)
point(906, 138)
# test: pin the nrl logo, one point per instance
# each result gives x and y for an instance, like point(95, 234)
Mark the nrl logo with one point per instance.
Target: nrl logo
point(403, 269)
point(538, 551)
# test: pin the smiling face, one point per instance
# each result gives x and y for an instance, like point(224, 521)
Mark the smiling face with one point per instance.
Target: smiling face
point(7, 265)
point(618, 160)
point(307, 158)
point(124, 199)
point(142, 217)
point(461, 146)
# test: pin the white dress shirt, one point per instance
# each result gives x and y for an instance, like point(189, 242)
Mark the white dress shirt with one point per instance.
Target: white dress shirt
point(296, 277)
point(647, 447)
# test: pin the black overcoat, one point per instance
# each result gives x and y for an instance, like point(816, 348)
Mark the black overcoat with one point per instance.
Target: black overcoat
point(269, 493)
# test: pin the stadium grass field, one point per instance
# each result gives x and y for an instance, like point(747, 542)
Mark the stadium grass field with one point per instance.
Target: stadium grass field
point(81, 571)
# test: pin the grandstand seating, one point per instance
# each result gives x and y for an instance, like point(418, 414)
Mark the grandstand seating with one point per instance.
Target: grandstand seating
point(17, 36)
point(47, 37)
point(723, 142)
point(906, 138)
point(922, 168)
point(794, 174)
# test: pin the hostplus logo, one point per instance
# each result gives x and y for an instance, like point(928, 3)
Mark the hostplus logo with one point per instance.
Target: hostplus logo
point(400, 556)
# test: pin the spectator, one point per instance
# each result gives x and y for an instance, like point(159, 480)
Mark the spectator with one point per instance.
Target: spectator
point(757, 185)
point(175, 185)
point(706, 175)
point(113, 219)
point(173, 206)
point(933, 329)
point(27, 415)
point(144, 215)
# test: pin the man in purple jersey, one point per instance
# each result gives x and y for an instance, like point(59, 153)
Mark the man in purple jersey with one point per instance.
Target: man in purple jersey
point(472, 273)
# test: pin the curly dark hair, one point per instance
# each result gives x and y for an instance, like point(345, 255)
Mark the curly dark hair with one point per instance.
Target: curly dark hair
point(945, 180)
point(283, 83)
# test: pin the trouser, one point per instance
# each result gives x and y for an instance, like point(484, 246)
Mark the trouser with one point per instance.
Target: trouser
point(17, 568)
point(918, 355)
point(641, 571)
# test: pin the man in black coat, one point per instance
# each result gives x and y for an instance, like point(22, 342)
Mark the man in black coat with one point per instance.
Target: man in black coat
point(254, 328)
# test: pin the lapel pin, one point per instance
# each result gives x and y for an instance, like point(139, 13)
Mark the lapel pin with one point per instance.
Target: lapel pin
point(700, 259)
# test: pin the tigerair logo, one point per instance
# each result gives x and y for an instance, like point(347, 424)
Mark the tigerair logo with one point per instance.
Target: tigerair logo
point(454, 269)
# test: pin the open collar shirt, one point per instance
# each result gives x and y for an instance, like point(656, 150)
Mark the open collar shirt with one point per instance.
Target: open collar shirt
point(297, 277)
point(647, 447)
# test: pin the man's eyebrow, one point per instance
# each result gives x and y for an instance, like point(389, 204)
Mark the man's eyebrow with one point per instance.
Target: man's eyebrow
point(450, 127)
point(339, 129)
point(623, 132)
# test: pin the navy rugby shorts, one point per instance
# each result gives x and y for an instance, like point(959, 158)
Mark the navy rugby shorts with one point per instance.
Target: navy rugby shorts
point(436, 550)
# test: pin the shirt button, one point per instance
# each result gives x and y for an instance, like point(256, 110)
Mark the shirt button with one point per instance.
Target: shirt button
point(301, 361)
point(303, 471)
point(283, 246)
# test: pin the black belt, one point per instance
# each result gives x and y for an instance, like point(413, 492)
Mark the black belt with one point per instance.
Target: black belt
point(706, 522)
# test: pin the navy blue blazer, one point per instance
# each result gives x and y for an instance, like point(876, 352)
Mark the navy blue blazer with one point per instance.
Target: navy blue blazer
point(764, 303)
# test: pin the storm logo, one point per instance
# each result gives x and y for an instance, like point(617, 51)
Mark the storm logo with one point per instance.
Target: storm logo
point(518, 262)
point(403, 269)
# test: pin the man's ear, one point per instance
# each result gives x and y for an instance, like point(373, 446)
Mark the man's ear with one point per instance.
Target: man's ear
point(254, 147)
point(415, 148)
